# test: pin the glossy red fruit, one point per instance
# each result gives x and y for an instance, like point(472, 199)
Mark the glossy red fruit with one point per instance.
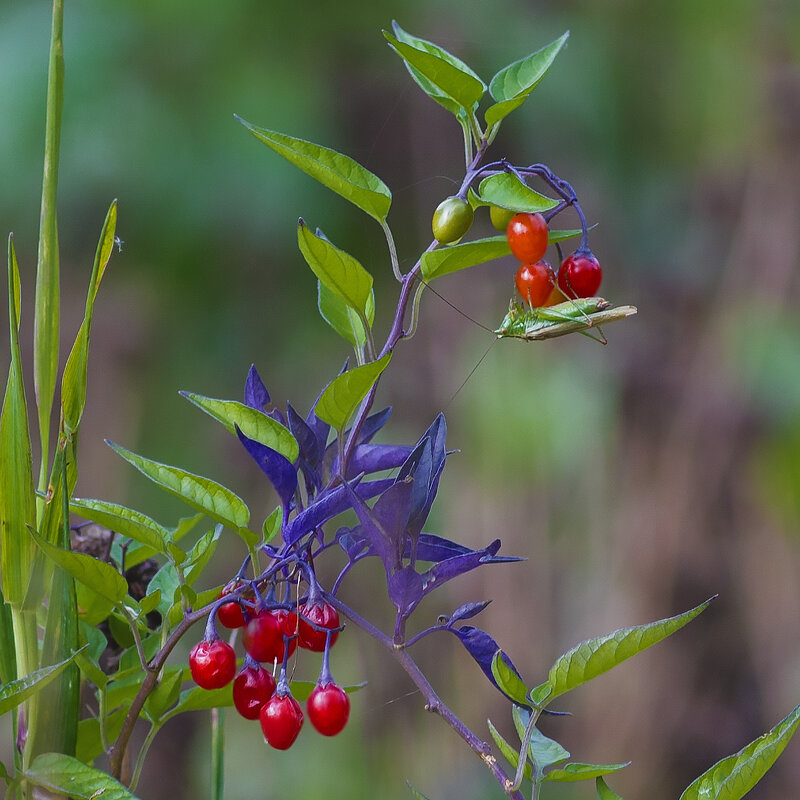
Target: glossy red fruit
point(213, 664)
point(527, 237)
point(281, 719)
point(326, 617)
point(252, 687)
point(328, 708)
point(580, 275)
point(263, 636)
point(535, 282)
point(230, 614)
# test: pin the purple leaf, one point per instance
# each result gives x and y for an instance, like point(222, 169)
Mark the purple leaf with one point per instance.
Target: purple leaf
point(306, 438)
point(369, 458)
point(278, 469)
point(353, 543)
point(405, 590)
point(372, 424)
point(328, 505)
point(255, 393)
point(467, 611)
point(277, 415)
point(435, 548)
point(451, 568)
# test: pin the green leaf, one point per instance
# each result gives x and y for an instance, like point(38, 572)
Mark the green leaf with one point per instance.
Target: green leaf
point(73, 381)
point(577, 771)
point(124, 521)
point(17, 499)
point(508, 752)
point(166, 582)
point(69, 776)
point(88, 659)
point(508, 191)
point(445, 260)
point(339, 271)
point(595, 656)
point(15, 692)
point(604, 793)
point(448, 79)
point(201, 554)
point(90, 743)
point(417, 795)
point(341, 317)
point(98, 576)
point(544, 752)
point(202, 599)
point(8, 663)
point(165, 694)
point(185, 525)
point(252, 423)
point(339, 173)
point(508, 681)
point(202, 494)
point(341, 397)
point(121, 692)
point(272, 525)
point(733, 777)
point(92, 608)
point(512, 84)
point(197, 699)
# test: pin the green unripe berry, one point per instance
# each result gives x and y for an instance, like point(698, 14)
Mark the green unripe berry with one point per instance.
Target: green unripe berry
point(500, 217)
point(451, 220)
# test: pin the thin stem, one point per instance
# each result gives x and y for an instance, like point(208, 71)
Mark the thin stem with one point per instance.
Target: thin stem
point(217, 754)
point(392, 250)
point(523, 751)
point(137, 638)
point(137, 769)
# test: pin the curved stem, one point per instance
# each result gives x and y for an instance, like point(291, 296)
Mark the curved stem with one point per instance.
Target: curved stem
point(392, 250)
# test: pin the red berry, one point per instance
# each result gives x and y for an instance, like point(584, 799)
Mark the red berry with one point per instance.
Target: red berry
point(535, 282)
point(281, 719)
point(580, 275)
point(328, 708)
point(252, 687)
point(263, 636)
point(213, 664)
point(230, 614)
point(527, 237)
point(323, 615)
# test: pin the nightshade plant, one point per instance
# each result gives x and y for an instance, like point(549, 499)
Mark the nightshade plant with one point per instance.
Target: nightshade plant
point(68, 597)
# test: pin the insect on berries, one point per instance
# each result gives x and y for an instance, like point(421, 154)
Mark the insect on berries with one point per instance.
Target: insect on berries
point(535, 282)
point(527, 236)
point(580, 275)
point(328, 708)
point(451, 220)
point(212, 664)
point(281, 720)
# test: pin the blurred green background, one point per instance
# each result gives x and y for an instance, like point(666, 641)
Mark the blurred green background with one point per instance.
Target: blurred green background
point(638, 479)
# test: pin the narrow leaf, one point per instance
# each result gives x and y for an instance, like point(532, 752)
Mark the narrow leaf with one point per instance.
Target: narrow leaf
point(98, 576)
point(15, 692)
point(733, 777)
point(339, 173)
point(508, 752)
point(604, 793)
point(124, 521)
point(595, 656)
point(508, 191)
point(69, 776)
point(418, 795)
point(338, 271)
point(253, 423)
point(577, 771)
point(508, 681)
point(202, 494)
point(343, 394)
point(445, 260)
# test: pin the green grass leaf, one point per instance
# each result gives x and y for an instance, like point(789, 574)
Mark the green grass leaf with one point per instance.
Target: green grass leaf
point(577, 771)
point(595, 656)
point(124, 521)
point(733, 777)
point(254, 424)
point(69, 776)
point(508, 191)
point(339, 173)
point(445, 260)
point(343, 394)
point(15, 692)
point(202, 494)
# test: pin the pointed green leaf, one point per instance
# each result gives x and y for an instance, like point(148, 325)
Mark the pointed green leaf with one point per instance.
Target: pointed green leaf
point(448, 79)
point(166, 582)
point(339, 271)
point(88, 659)
point(251, 422)
point(98, 576)
point(165, 694)
point(92, 607)
point(508, 191)
point(508, 681)
point(512, 84)
point(445, 260)
point(202, 599)
point(339, 173)
point(604, 793)
point(203, 494)
point(733, 777)
point(341, 317)
point(577, 771)
point(69, 776)
point(15, 692)
point(595, 656)
point(508, 752)
point(544, 752)
point(17, 499)
point(124, 521)
point(197, 699)
point(201, 554)
point(272, 525)
point(73, 382)
point(343, 394)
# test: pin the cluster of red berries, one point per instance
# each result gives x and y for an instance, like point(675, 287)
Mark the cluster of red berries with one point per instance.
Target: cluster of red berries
point(270, 636)
point(578, 276)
